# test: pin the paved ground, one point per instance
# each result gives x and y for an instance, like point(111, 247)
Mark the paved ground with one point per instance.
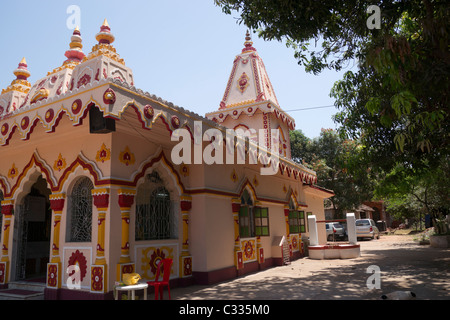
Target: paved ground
point(404, 265)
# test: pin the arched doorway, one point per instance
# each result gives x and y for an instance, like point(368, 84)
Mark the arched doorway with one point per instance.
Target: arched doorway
point(32, 233)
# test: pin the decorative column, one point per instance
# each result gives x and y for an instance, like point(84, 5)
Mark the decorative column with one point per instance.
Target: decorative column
point(288, 232)
point(126, 200)
point(57, 202)
point(286, 217)
point(7, 211)
point(185, 257)
point(238, 255)
point(101, 201)
point(99, 268)
point(259, 248)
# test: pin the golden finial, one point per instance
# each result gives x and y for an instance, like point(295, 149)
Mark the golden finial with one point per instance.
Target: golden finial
point(23, 61)
point(105, 23)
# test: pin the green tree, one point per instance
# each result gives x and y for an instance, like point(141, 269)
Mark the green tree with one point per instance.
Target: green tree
point(396, 103)
point(300, 146)
point(335, 161)
point(412, 193)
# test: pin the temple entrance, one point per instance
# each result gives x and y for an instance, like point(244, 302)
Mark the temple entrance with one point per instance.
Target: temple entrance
point(32, 231)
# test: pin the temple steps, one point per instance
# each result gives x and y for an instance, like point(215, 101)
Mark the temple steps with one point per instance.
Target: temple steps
point(23, 291)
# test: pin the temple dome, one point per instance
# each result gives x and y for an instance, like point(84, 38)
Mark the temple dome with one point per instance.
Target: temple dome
point(249, 81)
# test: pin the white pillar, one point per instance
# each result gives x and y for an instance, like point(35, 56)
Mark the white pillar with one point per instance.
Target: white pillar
point(351, 228)
point(313, 236)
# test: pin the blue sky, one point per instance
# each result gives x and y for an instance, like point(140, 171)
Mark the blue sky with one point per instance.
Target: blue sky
point(181, 51)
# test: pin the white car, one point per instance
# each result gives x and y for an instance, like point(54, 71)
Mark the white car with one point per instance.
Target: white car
point(366, 228)
point(335, 231)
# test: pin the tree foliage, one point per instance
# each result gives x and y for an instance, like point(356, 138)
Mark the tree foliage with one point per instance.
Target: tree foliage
point(335, 162)
point(396, 103)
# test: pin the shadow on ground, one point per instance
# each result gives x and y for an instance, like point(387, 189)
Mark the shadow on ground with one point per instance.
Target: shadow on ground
point(423, 270)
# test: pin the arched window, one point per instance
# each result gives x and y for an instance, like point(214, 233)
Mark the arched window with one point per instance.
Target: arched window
point(80, 211)
point(155, 218)
point(296, 219)
point(253, 221)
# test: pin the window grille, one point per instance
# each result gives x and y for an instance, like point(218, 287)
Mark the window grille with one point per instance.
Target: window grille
point(155, 217)
point(81, 211)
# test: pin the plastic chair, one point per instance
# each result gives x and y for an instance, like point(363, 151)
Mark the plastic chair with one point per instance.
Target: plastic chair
point(166, 265)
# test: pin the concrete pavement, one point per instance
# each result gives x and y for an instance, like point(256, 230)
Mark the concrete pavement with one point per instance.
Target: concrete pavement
point(403, 265)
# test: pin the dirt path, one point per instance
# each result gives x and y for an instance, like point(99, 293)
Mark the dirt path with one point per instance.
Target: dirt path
point(404, 265)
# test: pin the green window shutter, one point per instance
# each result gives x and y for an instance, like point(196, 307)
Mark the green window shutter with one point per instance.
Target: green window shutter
point(243, 222)
point(261, 221)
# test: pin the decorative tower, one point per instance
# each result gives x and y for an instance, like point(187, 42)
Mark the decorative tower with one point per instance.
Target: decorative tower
point(75, 54)
point(103, 61)
point(105, 36)
point(16, 93)
point(250, 102)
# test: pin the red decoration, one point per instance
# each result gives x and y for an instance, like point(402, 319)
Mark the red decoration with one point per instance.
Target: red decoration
point(175, 122)
point(261, 255)
point(57, 204)
point(243, 82)
point(156, 256)
point(76, 106)
point(101, 201)
point(52, 275)
point(126, 200)
point(49, 115)
point(186, 205)
point(24, 123)
point(248, 249)
point(149, 112)
point(7, 209)
point(5, 128)
point(127, 268)
point(240, 260)
point(294, 243)
point(79, 259)
point(2, 273)
point(187, 266)
point(109, 97)
point(84, 80)
point(97, 279)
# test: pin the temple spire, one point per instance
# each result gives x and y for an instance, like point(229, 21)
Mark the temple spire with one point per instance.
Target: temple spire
point(22, 72)
point(21, 83)
point(75, 53)
point(105, 36)
point(248, 43)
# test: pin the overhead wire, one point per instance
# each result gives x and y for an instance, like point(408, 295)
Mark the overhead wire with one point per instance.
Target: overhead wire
point(311, 108)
